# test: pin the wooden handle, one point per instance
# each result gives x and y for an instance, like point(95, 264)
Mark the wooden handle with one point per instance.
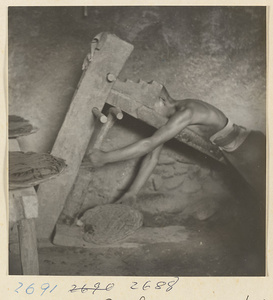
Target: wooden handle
point(104, 131)
point(117, 112)
point(99, 115)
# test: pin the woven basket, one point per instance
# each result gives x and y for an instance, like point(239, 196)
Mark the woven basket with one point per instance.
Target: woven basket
point(110, 223)
point(28, 169)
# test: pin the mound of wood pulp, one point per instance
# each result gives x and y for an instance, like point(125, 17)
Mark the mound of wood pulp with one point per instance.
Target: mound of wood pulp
point(19, 126)
point(110, 223)
point(28, 169)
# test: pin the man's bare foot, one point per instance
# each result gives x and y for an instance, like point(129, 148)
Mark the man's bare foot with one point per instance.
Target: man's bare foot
point(128, 199)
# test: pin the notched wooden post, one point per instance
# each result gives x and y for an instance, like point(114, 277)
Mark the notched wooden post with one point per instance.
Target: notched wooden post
point(108, 55)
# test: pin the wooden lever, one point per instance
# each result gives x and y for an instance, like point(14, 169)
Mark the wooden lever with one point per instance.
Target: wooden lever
point(114, 114)
point(99, 115)
point(73, 204)
point(117, 112)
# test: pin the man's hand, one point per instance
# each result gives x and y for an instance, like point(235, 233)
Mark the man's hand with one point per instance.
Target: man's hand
point(96, 158)
point(128, 199)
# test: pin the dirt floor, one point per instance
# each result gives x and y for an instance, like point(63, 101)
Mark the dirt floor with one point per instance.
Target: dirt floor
point(214, 54)
point(230, 243)
point(211, 250)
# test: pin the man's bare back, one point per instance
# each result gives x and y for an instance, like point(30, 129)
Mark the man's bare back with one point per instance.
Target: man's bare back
point(203, 113)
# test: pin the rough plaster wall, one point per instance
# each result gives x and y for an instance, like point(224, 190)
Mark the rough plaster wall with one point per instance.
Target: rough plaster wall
point(215, 54)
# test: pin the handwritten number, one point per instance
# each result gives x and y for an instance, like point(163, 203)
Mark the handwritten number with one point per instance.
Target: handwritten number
point(44, 288)
point(83, 289)
point(171, 284)
point(160, 284)
point(21, 284)
point(53, 288)
point(134, 284)
point(145, 286)
point(73, 289)
point(142, 298)
point(96, 287)
point(30, 289)
point(109, 287)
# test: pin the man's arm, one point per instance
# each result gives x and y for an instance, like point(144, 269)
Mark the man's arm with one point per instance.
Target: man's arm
point(176, 123)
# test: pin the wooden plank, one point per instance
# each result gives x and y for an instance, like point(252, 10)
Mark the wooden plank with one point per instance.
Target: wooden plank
point(28, 247)
point(75, 133)
point(23, 204)
point(72, 236)
point(133, 98)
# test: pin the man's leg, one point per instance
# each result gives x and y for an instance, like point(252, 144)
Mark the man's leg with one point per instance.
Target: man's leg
point(146, 168)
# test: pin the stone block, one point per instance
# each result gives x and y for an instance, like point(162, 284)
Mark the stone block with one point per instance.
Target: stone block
point(174, 182)
point(191, 185)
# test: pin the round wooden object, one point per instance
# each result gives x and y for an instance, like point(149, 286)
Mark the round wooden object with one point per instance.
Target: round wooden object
point(99, 115)
point(111, 77)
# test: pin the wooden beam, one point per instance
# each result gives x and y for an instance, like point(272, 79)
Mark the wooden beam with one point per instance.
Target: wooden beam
point(108, 56)
point(28, 247)
point(72, 236)
point(133, 98)
point(23, 204)
point(75, 198)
